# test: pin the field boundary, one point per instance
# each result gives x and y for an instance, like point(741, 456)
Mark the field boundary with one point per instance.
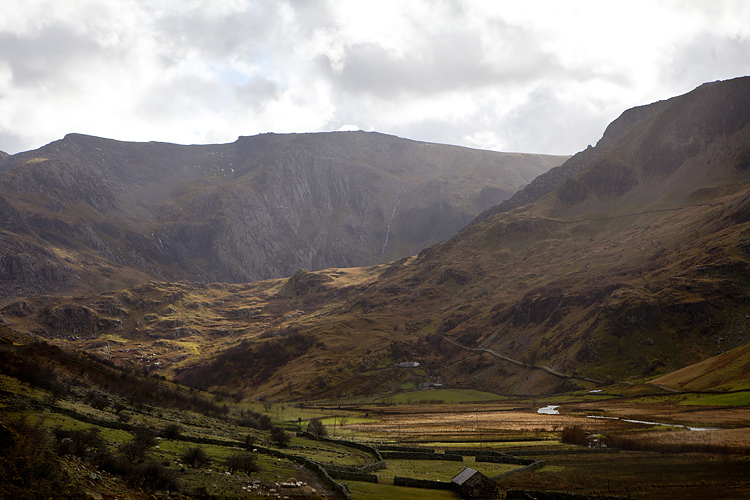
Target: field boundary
point(430, 484)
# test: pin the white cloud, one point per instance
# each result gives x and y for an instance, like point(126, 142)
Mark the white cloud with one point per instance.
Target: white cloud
point(535, 76)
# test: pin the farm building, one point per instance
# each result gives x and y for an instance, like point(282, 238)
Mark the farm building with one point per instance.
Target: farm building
point(472, 484)
point(408, 364)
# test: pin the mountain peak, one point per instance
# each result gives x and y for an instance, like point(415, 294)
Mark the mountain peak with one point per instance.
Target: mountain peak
point(261, 207)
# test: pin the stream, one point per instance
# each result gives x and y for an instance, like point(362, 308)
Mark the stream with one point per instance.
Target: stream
point(553, 410)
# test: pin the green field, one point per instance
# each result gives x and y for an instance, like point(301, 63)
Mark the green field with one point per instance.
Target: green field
point(440, 395)
point(437, 470)
point(733, 399)
point(370, 491)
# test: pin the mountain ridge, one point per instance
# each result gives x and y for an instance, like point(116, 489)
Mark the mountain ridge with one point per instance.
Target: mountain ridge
point(632, 261)
point(263, 206)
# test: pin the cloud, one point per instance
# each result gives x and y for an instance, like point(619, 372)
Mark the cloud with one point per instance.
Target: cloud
point(707, 54)
point(536, 76)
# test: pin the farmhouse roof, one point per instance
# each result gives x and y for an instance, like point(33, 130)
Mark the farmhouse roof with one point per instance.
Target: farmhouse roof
point(463, 476)
point(408, 364)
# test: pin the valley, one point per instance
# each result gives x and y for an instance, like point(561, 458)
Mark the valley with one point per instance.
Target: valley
point(143, 294)
point(199, 440)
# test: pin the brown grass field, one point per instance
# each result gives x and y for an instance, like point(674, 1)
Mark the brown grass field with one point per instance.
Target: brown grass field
point(720, 469)
point(491, 421)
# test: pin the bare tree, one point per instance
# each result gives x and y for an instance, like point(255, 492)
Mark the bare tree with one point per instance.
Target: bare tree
point(317, 428)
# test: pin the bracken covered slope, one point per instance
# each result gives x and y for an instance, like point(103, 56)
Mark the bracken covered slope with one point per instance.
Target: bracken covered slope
point(92, 214)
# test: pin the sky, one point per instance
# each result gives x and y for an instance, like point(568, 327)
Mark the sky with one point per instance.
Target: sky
point(516, 76)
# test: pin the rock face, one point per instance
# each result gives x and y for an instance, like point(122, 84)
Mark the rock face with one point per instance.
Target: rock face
point(665, 143)
point(92, 213)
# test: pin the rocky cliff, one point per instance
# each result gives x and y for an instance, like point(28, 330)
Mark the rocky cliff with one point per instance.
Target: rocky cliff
point(92, 213)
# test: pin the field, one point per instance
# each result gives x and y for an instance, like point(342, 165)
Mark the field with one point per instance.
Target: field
point(91, 417)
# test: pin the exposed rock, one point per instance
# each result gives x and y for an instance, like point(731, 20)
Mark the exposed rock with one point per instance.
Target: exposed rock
point(304, 282)
point(261, 207)
point(70, 318)
point(19, 308)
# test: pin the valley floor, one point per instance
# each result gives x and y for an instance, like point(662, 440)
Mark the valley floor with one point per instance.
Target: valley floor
point(89, 435)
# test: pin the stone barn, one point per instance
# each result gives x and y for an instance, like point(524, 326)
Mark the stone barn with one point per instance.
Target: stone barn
point(472, 484)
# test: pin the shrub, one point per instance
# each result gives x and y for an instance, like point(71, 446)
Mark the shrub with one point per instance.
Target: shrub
point(171, 432)
point(136, 448)
point(154, 476)
point(242, 462)
point(256, 421)
point(317, 428)
point(279, 436)
point(79, 443)
point(150, 475)
point(98, 401)
point(28, 467)
point(195, 457)
point(575, 434)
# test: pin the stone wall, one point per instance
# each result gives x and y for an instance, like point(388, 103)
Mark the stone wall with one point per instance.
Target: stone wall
point(405, 455)
point(516, 494)
point(422, 483)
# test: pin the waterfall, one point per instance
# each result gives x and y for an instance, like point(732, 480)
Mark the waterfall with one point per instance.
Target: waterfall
point(388, 228)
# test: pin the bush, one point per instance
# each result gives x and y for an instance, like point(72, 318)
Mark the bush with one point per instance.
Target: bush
point(317, 428)
point(150, 476)
point(171, 432)
point(257, 421)
point(97, 400)
point(28, 467)
point(79, 443)
point(154, 476)
point(241, 461)
point(279, 436)
point(195, 457)
point(136, 449)
point(575, 434)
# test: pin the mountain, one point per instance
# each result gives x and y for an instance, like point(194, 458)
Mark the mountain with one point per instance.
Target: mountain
point(629, 261)
point(93, 214)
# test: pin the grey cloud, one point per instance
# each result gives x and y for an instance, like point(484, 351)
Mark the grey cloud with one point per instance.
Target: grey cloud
point(47, 55)
point(11, 142)
point(548, 123)
point(182, 96)
point(545, 123)
point(454, 60)
point(219, 37)
point(707, 57)
point(257, 92)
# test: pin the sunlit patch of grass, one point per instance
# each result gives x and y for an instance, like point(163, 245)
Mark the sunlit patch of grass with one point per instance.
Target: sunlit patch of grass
point(436, 470)
point(11, 384)
point(348, 420)
point(444, 395)
point(380, 491)
point(732, 399)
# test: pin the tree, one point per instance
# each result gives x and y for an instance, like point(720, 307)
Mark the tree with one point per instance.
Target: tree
point(28, 466)
point(317, 428)
point(171, 432)
point(279, 436)
point(242, 461)
point(136, 448)
point(195, 457)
